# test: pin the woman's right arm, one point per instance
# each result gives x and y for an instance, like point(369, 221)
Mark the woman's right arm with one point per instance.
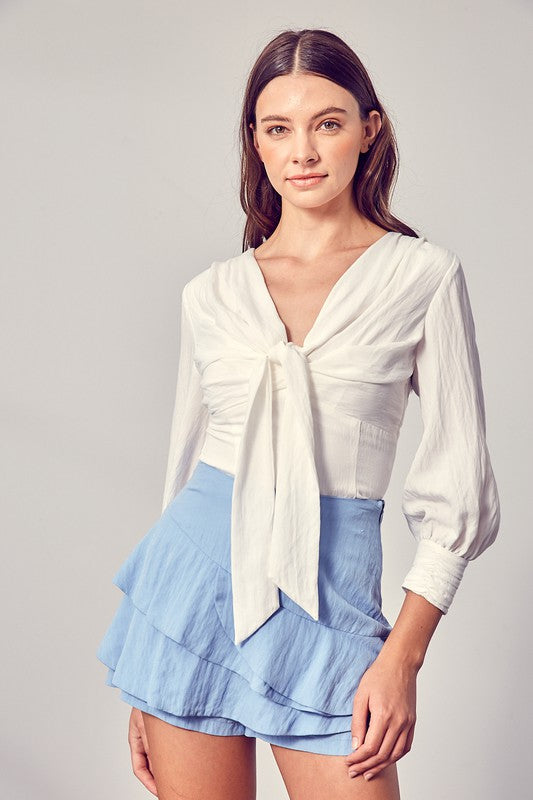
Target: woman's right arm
point(189, 424)
point(189, 419)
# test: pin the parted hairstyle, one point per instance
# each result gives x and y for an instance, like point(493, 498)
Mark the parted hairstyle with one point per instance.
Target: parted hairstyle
point(318, 52)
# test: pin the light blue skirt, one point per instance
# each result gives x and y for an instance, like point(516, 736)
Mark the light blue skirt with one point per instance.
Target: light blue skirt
point(170, 649)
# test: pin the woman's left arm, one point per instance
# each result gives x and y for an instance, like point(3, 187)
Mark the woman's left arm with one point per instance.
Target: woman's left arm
point(451, 504)
point(388, 690)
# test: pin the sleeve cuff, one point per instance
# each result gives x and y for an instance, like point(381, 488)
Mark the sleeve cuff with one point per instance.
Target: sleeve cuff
point(435, 574)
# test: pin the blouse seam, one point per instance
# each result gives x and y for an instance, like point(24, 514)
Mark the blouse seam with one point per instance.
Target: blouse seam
point(451, 271)
point(334, 405)
point(434, 543)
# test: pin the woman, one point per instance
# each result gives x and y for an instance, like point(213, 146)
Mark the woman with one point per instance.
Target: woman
point(252, 608)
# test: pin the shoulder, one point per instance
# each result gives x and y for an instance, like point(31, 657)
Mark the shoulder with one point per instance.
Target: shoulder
point(427, 262)
point(213, 280)
point(431, 255)
point(195, 283)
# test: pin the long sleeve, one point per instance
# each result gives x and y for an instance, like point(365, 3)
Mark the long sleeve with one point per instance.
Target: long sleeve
point(189, 420)
point(450, 498)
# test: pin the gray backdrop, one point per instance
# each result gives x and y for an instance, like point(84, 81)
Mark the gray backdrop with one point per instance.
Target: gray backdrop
point(119, 176)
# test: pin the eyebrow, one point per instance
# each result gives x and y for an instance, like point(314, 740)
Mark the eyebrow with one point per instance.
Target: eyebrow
point(328, 110)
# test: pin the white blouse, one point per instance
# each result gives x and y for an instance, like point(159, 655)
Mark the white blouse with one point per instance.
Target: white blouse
point(290, 422)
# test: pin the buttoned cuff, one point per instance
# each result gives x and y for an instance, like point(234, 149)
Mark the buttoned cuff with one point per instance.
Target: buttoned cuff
point(435, 573)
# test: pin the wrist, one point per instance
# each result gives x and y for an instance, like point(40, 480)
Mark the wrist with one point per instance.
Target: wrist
point(408, 657)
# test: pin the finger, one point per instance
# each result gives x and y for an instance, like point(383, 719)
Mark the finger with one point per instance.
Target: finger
point(144, 737)
point(141, 770)
point(360, 716)
point(140, 760)
point(400, 748)
point(386, 756)
point(383, 754)
point(137, 734)
point(139, 721)
point(410, 737)
point(147, 780)
point(373, 739)
point(146, 746)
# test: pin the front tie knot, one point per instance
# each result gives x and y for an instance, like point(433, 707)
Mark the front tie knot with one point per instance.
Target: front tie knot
point(278, 352)
point(275, 512)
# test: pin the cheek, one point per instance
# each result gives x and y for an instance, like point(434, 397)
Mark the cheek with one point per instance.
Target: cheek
point(272, 154)
point(275, 164)
point(346, 153)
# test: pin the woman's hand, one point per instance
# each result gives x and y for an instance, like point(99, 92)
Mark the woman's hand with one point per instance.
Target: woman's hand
point(387, 691)
point(140, 756)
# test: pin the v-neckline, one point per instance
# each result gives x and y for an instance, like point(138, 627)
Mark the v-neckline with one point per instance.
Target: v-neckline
point(270, 302)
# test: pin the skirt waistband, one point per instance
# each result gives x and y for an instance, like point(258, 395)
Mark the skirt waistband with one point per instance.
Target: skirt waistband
point(202, 511)
point(219, 477)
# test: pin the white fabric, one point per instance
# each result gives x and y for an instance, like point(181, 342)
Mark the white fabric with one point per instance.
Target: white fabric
point(292, 422)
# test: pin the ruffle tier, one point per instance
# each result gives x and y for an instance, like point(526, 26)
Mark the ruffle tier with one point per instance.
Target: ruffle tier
point(170, 644)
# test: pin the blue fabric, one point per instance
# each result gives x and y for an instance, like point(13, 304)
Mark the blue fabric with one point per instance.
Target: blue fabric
point(170, 649)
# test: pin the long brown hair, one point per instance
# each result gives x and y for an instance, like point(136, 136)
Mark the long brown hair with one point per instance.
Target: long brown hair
point(322, 53)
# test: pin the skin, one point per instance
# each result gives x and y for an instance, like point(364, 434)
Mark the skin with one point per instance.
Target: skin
point(320, 234)
point(320, 231)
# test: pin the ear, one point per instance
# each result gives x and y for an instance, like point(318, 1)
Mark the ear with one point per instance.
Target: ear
point(256, 144)
point(373, 126)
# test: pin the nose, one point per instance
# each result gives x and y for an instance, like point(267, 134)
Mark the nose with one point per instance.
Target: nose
point(303, 149)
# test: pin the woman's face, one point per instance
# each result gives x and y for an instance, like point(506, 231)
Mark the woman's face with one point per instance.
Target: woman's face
point(307, 124)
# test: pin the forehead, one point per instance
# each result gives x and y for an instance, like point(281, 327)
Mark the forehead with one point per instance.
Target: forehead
point(301, 96)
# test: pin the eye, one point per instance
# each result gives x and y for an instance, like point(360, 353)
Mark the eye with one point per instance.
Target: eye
point(326, 122)
point(269, 130)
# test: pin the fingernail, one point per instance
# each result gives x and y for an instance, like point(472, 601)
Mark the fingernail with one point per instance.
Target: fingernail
point(369, 775)
point(355, 743)
point(353, 774)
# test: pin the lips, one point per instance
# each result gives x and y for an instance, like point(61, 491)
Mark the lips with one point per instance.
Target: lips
point(307, 175)
point(307, 180)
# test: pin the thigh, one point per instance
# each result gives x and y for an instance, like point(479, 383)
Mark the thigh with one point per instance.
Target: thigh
point(193, 765)
point(324, 777)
